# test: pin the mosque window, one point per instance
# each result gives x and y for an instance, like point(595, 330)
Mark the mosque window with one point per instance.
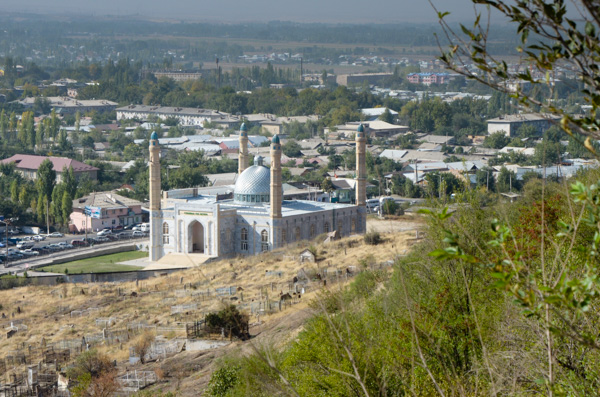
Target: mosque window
point(326, 227)
point(313, 230)
point(244, 239)
point(264, 241)
point(165, 232)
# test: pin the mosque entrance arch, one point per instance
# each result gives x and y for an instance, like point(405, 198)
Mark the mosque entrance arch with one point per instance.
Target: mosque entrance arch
point(196, 238)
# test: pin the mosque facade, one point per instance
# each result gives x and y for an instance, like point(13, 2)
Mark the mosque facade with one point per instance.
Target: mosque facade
point(254, 218)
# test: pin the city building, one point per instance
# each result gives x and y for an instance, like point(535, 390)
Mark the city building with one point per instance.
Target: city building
point(178, 75)
point(28, 165)
point(68, 105)
point(428, 78)
point(194, 117)
point(100, 210)
point(361, 78)
point(250, 216)
point(510, 123)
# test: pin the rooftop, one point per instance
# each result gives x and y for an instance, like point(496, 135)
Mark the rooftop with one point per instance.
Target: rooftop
point(31, 162)
point(105, 200)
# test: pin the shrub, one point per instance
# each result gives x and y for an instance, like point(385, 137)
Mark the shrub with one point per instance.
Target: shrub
point(223, 380)
point(231, 320)
point(372, 238)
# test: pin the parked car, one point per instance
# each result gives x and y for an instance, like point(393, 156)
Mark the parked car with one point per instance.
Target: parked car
point(22, 245)
point(65, 245)
point(102, 239)
point(55, 247)
point(39, 237)
point(123, 235)
point(138, 233)
point(79, 243)
point(30, 252)
point(130, 227)
point(56, 234)
point(41, 250)
point(104, 232)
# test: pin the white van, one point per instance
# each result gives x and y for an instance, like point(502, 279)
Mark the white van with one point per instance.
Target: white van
point(145, 227)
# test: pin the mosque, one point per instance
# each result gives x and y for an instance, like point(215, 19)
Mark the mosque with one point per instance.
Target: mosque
point(255, 218)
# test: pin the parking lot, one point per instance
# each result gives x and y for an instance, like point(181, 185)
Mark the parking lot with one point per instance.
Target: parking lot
point(27, 246)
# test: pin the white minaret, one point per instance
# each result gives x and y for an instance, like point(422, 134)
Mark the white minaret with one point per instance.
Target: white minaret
point(243, 152)
point(361, 166)
point(155, 215)
point(276, 191)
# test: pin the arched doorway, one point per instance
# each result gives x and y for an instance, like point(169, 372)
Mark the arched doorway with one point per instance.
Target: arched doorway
point(196, 238)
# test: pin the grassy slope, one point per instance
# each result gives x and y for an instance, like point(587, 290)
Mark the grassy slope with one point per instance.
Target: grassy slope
point(98, 264)
point(46, 310)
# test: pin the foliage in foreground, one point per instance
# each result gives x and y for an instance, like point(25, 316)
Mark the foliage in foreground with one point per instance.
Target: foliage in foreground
point(472, 322)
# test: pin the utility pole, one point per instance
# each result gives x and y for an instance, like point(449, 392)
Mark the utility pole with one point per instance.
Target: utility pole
point(47, 218)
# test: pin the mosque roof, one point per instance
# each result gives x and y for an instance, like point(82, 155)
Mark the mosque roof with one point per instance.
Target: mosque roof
point(254, 180)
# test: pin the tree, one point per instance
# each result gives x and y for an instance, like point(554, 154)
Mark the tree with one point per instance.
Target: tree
point(496, 140)
point(387, 116)
point(66, 207)
point(507, 181)
point(46, 178)
point(327, 186)
point(14, 191)
point(485, 178)
point(69, 180)
point(292, 149)
point(41, 208)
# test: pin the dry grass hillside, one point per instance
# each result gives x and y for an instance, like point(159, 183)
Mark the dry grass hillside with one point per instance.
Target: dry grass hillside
point(113, 317)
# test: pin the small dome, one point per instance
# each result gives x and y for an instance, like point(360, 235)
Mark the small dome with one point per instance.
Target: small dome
point(154, 136)
point(361, 128)
point(253, 186)
point(275, 139)
point(243, 127)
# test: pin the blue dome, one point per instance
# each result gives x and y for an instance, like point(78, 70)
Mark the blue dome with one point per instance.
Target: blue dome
point(275, 139)
point(253, 186)
point(243, 127)
point(361, 128)
point(154, 136)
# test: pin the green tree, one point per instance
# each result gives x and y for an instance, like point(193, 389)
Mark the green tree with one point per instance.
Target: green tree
point(496, 140)
point(387, 116)
point(4, 126)
point(69, 181)
point(66, 207)
point(41, 208)
point(14, 191)
point(46, 178)
point(507, 181)
point(292, 149)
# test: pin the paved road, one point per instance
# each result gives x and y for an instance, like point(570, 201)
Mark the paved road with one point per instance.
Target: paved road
point(22, 264)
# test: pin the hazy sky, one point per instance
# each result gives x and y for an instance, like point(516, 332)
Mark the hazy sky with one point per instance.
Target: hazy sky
point(352, 11)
